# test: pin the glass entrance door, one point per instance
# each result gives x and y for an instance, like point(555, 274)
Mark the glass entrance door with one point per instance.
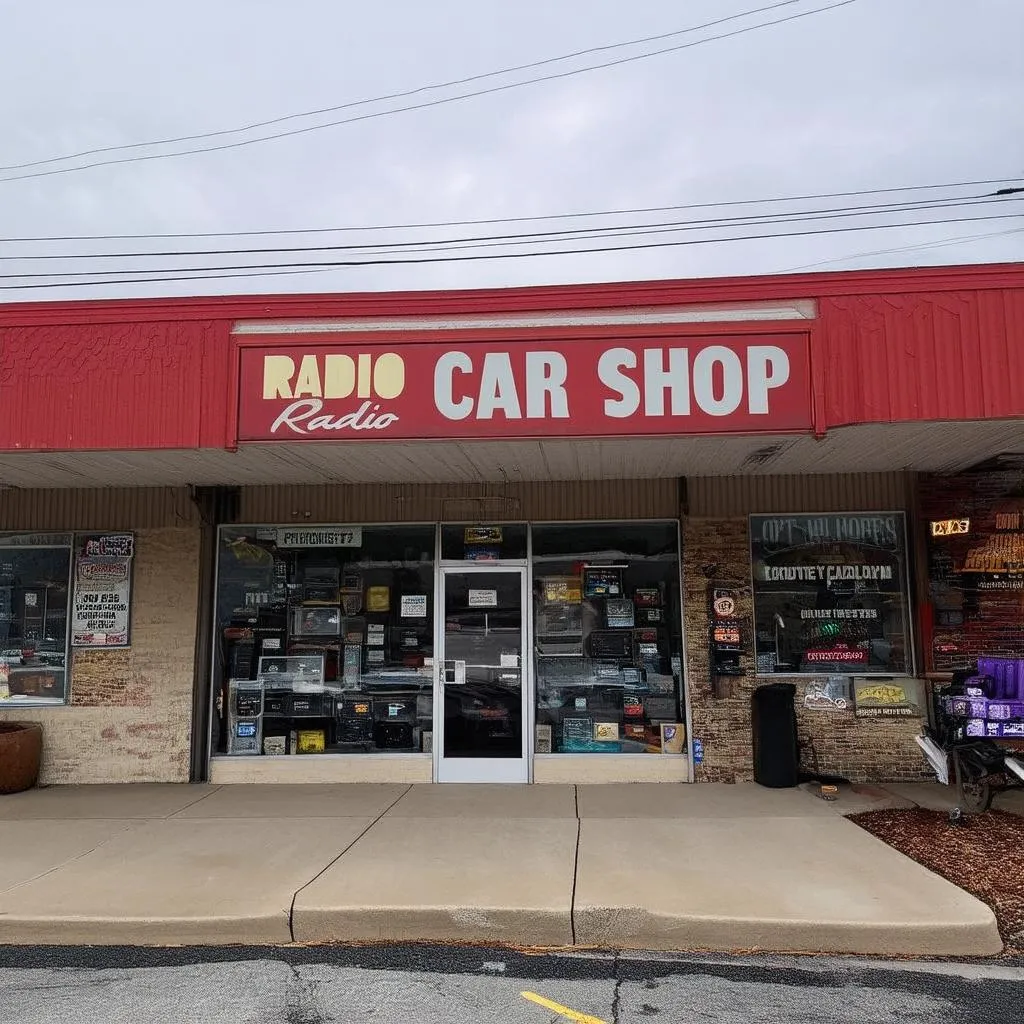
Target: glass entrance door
point(480, 703)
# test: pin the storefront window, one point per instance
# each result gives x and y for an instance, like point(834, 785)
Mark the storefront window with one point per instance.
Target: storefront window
point(324, 639)
point(830, 594)
point(35, 572)
point(607, 638)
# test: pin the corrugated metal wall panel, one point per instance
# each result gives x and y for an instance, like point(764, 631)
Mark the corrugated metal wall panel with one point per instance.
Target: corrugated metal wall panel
point(730, 496)
point(106, 508)
point(171, 380)
point(920, 356)
point(383, 503)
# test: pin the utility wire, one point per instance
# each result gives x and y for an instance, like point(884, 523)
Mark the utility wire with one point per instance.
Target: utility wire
point(269, 268)
point(539, 238)
point(394, 95)
point(438, 102)
point(939, 243)
point(565, 234)
point(628, 231)
point(416, 225)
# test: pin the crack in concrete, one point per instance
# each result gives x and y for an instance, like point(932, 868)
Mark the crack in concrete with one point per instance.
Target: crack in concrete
point(193, 803)
point(334, 860)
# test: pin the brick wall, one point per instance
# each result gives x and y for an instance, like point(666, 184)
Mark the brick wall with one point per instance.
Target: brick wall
point(862, 750)
point(993, 622)
point(129, 718)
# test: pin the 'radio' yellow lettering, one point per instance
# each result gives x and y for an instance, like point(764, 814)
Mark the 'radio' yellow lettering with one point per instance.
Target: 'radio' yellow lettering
point(333, 376)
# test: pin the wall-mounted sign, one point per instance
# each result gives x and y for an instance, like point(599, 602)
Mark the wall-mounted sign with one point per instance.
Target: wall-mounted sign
point(831, 694)
point(888, 699)
point(319, 536)
point(726, 634)
point(950, 527)
point(332, 389)
point(1009, 522)
point(996, 560)
point(101, 605)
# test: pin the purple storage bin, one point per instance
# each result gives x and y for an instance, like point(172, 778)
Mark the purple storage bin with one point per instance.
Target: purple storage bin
point(1004, 678)
point(998, 678)
point(967, 707)
point(1004, 730)
point(1004, 710)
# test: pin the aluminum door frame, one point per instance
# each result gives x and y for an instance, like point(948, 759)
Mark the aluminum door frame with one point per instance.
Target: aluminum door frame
point(484, 769)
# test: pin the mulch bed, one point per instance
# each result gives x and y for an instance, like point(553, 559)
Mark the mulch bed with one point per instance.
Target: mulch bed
point(983, 854)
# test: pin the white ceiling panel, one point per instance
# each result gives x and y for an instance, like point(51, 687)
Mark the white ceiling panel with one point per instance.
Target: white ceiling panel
point(935, 447)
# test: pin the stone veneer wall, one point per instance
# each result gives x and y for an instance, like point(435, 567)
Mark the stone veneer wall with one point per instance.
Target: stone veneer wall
point(860, 749)
point(130, 714)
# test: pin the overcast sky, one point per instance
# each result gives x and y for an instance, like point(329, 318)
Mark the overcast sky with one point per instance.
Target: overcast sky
point(874, 94)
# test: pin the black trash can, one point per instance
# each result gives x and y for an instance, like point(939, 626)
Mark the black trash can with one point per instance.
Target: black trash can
point(776, 747)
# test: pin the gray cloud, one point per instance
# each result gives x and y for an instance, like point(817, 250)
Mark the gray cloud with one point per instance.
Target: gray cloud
point(878, 93)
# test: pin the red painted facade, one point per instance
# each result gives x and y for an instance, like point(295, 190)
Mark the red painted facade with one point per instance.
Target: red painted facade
point(886, 346)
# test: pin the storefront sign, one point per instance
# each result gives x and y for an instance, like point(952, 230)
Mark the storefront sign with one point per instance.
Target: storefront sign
point(101, 605)
point(483, 534)
point(699, 385)
point(483, 599)
point(830, 593)
point(950, 527)
point(320, 537)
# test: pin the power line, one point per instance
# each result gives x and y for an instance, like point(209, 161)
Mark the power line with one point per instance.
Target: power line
point(650, 229)
point(443, 100)
point(938, 243)
point(394, 95)
point(269, 270)
point(416, 225)
point(565, 233)
point(541, 237)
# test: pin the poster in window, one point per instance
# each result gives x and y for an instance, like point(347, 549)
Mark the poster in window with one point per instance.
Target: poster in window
point(414, 606)
point(101, 604)
point(830, 593)
point(602, 581)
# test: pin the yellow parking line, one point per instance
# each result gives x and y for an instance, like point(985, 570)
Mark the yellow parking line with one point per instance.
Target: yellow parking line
point(562, 1011)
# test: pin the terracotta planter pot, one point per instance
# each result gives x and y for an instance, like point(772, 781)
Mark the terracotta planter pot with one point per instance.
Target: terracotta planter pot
point(21, 750)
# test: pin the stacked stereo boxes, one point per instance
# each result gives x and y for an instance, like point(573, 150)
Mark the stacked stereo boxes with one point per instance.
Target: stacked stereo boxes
point(993, 700)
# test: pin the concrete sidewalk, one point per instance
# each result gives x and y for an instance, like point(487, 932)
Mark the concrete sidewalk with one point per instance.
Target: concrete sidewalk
point(619, 866)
